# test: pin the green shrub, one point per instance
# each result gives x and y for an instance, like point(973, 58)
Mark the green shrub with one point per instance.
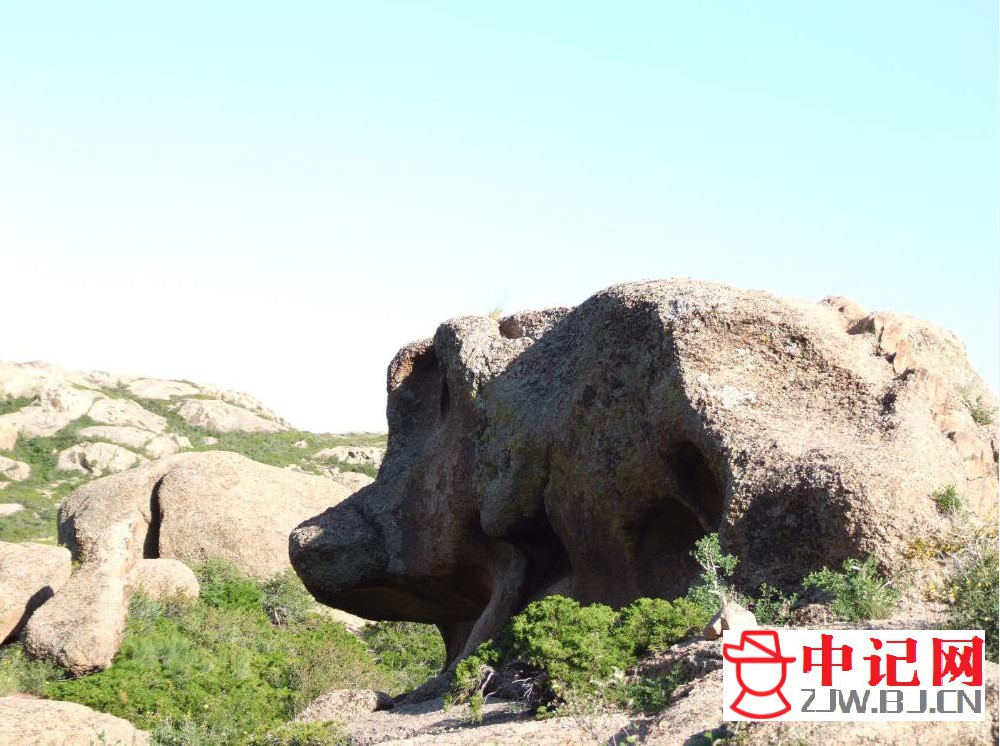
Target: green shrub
point(411, 652)
point(571, 643)
point(973, 589)
point(859, 592)
point(285, 599)
point(772, 607)
point(947, 500)
point(651, 625)
point(224, 586)
point(575, 656)
point(18, 673)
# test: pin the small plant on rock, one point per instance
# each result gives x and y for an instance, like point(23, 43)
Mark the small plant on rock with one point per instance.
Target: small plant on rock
point(713, 588)
point(982, 413)
point(772, 607)
point(947, 500)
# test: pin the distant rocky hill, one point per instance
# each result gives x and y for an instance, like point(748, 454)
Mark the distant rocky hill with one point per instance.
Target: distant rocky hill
point(60, 429)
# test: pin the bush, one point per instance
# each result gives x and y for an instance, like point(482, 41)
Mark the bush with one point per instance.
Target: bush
point(219, 670)
point(859, 592)
point(223, 586)
point(651, 625)
point(772, 607)
point(412, 652)
point(571, 643)
point(972, 589)
point(568, 654)
point(285, 599)
point(947, 500)
point(18, 673)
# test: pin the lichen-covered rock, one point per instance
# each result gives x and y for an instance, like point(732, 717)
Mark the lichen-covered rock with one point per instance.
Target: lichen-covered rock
point(46, 722)
point(81, 627)
point(30, 574)
point(588, 449)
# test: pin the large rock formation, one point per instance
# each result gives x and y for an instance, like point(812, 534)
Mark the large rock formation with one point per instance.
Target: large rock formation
point(585, 450)
point(198, 506)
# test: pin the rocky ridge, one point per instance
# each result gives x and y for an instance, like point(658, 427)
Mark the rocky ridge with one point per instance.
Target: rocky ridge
point(60, 429)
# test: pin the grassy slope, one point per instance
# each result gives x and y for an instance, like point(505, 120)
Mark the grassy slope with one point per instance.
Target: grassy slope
point(246, 657)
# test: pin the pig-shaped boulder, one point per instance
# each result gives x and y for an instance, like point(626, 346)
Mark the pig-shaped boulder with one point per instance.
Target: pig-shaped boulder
point(584, 451)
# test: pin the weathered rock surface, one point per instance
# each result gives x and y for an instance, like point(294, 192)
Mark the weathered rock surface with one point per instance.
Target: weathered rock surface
point(8, 436)
point(503, 722)
point(198, 506)
point(222, 417)
point(130, 437)
point(344, 705)
point(732, 617)
point(15, 471)
point(352, 480)
point(166, 579)
point(154, 388)
point(166, 445)
point(46, 722)
point(126, 413)
point(10, 508)
point(96, 459)
point(30, 574)
point(81, 627)
point(361, 455)
point(587, 449)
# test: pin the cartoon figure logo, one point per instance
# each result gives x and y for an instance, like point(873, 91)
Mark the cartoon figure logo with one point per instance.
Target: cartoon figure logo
point(761, 671)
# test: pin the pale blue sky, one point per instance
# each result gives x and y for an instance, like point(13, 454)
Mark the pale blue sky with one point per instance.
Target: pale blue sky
point(276, 196)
